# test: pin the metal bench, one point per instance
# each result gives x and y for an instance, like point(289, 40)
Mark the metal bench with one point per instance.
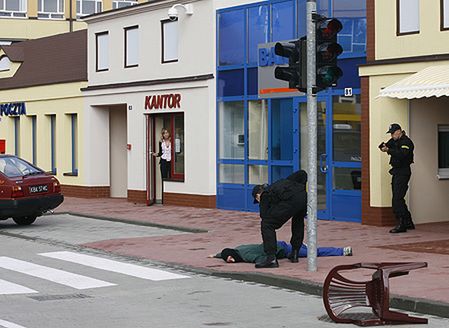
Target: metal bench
point(341, 294)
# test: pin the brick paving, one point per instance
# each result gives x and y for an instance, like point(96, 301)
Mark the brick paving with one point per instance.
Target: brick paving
point(222, 228)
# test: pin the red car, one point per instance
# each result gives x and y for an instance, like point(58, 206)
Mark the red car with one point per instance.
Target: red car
point(26, 191)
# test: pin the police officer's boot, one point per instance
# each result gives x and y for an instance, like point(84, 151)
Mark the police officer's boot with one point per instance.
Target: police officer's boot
point(269, 262)
point(401, 227)
point(409, 224)
point(294, 256)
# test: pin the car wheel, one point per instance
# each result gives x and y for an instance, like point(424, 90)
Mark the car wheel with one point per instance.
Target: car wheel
point(25, 220)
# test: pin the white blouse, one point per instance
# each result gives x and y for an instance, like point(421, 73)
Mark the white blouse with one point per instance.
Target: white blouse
point(166, 151)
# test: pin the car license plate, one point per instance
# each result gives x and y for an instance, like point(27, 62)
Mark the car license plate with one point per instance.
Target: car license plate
point(37, 189)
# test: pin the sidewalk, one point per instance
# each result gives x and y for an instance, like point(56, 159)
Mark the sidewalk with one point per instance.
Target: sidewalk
point(424, 290)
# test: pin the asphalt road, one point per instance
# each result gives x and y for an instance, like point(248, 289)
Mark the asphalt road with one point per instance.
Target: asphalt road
point(47, 281)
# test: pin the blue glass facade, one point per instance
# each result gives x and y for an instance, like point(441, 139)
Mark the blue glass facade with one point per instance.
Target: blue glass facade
point(260, 140)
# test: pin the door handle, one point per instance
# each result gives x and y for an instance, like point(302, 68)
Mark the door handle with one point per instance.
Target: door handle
point(323, 164)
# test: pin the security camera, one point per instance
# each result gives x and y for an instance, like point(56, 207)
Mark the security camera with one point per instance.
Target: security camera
point(172, 13)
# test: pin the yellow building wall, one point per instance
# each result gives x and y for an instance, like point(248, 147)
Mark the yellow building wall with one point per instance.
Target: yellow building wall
point(42, 101)
point(19, 29)
point(429, 41)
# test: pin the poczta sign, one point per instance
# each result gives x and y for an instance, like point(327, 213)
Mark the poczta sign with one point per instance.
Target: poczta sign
point(12, 109)
point(172, 100)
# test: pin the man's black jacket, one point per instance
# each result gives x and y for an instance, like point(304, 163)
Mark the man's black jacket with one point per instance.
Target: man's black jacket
point(401, 152)
point(284, 198)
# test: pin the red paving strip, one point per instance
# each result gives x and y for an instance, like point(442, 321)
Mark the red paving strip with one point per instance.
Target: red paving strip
point(232, 228)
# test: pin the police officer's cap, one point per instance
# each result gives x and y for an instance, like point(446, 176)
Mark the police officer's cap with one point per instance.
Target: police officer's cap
point(393, 128)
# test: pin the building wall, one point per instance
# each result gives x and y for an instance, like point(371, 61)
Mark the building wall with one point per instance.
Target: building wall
point(62, 100)
point(429, 41)
point(425, 187)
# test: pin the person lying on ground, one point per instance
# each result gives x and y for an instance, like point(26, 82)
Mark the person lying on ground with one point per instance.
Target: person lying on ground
point(254, 253)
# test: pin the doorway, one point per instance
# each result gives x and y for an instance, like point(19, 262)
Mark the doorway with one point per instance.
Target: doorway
point(118, 156)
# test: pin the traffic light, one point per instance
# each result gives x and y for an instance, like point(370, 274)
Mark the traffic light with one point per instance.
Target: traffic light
point(292, 50)
point(327, 51)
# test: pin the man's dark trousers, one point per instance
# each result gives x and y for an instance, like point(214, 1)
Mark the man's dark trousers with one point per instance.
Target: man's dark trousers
point(399, 184)
point(269, 227)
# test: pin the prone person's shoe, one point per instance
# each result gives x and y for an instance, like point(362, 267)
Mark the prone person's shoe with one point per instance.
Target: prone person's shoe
point(269, 262)
point(294, 256)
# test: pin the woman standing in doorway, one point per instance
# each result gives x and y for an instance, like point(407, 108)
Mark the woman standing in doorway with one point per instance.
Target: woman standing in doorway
point(164, 154)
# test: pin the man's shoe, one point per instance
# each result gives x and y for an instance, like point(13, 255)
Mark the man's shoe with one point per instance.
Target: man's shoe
point(269, 262)
point(409, 224)
point(398, 229)
point(347, 251)
point(294, 256)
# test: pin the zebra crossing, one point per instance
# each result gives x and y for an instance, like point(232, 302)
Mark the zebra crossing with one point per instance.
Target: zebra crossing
point(71, 279)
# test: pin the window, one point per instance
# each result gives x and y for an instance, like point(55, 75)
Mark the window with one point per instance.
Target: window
point(122, 4)
point(102, 51)
point(16, 135)
point(50, 9)
point(407, 16)
point(88, 7)
point(169, 41)
point(5, 64)
point(132, 46)
point(443, 151)
point(231, 136)
point(34, 139)
point(444, 14)
point(53, 142)
point(13, 8)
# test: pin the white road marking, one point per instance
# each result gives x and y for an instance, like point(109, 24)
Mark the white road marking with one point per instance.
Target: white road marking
point(114, 266)
point(8, 324)
point(8, 288)
point(58, 276)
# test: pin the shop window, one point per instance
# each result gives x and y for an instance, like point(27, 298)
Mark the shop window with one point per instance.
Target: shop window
point(257, 174)
point(231, 173)
point(282, 21)
point(230, 83)
point(407, 16)
point(52, 131)
point(132, 46)
point(444, 14)
point(50, 9)
point(443, 151)
point(169, 41)
point(5, 64)
point(16, 135)
point(13, 8)
point(258, 33)
point(102, 51)
point(231, 134)
point(346, 129)
point(88, 7)
point(34, 138)
point(231, 37)
point(282, 129)
point(258, 129)
point(73, 144)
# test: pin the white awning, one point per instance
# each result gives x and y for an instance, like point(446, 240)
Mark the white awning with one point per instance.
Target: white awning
point(429, 82)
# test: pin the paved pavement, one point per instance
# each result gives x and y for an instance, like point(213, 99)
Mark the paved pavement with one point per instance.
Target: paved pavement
point(424, 290)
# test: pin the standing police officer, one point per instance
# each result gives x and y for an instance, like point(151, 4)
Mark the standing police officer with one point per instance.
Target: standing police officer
point(400, 148)
point(284, 199)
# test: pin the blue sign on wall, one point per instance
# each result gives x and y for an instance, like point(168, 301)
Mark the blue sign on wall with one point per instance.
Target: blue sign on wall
point(12, 109)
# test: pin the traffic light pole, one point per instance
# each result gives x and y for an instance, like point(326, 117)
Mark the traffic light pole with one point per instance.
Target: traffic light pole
point(312, 134)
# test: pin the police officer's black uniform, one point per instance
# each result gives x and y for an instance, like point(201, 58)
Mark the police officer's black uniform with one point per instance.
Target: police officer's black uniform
point(401, 152)
point(284, 199)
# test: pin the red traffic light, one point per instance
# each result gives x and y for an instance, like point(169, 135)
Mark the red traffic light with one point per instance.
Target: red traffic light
point(328, 28)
